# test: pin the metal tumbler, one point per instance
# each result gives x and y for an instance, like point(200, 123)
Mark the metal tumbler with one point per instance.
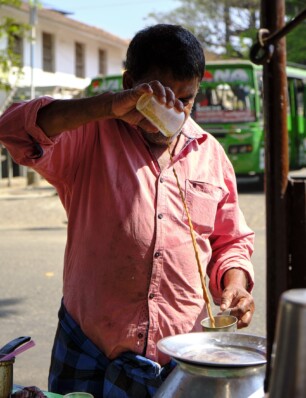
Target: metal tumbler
point(288, 361)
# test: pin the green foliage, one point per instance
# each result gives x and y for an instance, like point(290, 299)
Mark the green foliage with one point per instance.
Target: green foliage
point(193, 16)
point(222, 26)
point(296, 45)
point(10, 61)
point(229, 27)
point(14, 3)
point(295, 40)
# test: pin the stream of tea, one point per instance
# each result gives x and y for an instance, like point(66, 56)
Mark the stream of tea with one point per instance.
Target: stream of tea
point(194, 242)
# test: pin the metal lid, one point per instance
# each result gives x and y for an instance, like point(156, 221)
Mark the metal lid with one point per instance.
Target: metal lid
point(216, 348)
point(295, 296)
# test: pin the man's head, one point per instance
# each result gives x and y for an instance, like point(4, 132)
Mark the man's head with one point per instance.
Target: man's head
point(171, 55)
point(165, 48)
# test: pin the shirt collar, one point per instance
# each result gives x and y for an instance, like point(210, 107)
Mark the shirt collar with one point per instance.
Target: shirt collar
point(192, 130)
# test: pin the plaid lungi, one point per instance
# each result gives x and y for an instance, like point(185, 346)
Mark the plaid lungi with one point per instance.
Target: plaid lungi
point(78, 365)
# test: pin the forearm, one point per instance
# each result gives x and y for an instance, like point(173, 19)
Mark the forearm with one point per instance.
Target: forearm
point(235, 276)
point(64, 115)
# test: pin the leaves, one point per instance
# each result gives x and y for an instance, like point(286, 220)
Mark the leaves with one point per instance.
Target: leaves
point(295, 40)
point(14, 3)
point(229, 27)
point(10, 59)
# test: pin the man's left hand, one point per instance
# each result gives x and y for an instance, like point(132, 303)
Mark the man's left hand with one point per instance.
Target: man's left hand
point(236, 297)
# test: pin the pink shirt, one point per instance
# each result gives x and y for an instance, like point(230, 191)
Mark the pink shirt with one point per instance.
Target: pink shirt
point(130, 273)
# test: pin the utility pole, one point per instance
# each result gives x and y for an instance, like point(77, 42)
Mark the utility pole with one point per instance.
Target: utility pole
point(32, 177)
point(285, 197)
point(277, 166)
point(33, 21)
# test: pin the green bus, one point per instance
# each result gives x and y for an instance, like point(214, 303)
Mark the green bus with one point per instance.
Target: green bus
point(100, 84)
point(229, 105)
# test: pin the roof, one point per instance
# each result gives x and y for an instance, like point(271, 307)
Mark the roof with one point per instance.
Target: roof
point(62, 18)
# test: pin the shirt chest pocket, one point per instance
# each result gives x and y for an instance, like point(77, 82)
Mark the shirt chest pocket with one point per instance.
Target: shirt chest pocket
point(202, 200)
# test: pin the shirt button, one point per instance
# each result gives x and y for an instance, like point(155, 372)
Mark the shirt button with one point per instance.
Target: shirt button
point(161, 180)
point(156, 254)
point(140, 335)
point(160, 216)
point(151, 296)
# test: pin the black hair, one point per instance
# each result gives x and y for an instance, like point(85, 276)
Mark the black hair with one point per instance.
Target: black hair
point(165, 47)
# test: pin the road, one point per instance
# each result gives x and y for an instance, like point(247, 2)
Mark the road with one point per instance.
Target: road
point(32, 242)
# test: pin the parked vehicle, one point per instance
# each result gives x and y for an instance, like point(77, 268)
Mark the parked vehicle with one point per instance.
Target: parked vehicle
point(229, 105)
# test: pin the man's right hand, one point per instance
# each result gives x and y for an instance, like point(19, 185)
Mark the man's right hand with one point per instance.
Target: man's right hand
point(124, 103)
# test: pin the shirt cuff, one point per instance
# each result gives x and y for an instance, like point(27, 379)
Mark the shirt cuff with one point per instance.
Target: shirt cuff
point(31, 127)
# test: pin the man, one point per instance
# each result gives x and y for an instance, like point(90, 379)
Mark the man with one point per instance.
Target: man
point(130, 274)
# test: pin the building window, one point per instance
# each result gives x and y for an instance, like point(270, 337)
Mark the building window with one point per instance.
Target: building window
point(48, 52)
point(102, 62)
point(17, 47)
point(79, 60)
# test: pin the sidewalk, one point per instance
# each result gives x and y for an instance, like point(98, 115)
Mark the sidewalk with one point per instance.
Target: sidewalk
point(23, 206)
point(18, 187)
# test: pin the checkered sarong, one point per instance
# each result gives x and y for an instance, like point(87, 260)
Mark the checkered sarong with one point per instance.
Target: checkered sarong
point(78, 365)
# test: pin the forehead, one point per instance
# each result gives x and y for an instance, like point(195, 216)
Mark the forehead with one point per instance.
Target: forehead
point(181, 88)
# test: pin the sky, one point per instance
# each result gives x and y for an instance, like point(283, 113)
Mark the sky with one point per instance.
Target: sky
point(122, 18)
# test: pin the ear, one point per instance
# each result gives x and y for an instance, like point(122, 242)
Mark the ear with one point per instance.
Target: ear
point(127, 80)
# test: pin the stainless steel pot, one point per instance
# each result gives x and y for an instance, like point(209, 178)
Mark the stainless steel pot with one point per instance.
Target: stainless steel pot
point(215, 365)
point(288, 376)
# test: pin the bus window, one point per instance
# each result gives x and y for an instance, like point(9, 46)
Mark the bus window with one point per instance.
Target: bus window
point(300, 98)
point(224, 103)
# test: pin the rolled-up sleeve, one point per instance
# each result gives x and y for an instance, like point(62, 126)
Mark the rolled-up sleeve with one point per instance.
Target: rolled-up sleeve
point(21, 135)
point(232, 241)
point(55, 158)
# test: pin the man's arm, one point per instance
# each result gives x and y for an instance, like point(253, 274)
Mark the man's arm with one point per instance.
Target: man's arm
point(235, 276)
point(65, 115)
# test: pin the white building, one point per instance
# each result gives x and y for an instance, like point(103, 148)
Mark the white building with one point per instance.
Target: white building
point(61, 62)
point(65, 56)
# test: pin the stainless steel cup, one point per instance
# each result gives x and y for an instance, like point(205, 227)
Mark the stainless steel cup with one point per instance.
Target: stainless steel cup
point(288, 361)
point(6, 378)
point(223, 323)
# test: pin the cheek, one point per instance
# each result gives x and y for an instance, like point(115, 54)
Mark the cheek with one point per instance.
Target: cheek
point(188, 108)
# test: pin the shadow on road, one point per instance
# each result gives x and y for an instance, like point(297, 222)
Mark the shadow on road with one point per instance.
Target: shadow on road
point(6, 304)
point(250, 186)
point(39, 228)
point(20, 195)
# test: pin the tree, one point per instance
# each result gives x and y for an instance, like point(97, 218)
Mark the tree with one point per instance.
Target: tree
point(296, 44)
point(12, 32)
point(225, 26)
point(229, 27)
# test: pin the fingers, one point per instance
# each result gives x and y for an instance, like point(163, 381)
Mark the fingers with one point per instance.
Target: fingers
point(245, 320)
point(244, 314)
point(241, 304)
point(163, 94)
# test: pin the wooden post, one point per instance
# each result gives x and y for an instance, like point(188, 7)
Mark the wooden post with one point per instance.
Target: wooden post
point(276, 158)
